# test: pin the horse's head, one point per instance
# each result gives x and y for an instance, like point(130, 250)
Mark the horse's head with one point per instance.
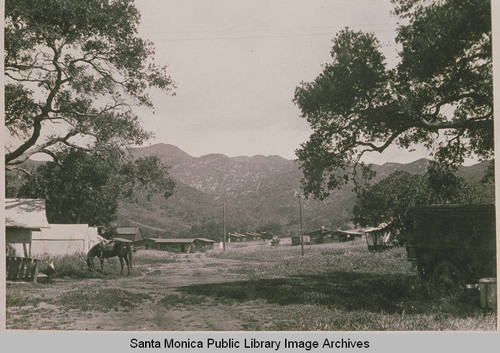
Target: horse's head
point(87, 260)
point(93, 252)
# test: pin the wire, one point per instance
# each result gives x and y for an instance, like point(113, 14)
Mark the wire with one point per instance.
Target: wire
point(280, 33)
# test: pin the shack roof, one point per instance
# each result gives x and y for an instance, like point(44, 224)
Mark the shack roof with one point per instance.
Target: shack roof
point(206, 240)
point(123, 240)
point(127, 230)
point(25, 213)
point(172, 241)
point(376, 229)
point(237, 235)
point(351, 231)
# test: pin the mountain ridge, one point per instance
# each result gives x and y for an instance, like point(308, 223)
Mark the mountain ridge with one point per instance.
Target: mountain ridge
point(256, 190)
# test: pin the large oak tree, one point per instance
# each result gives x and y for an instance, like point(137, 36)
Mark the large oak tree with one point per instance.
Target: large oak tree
point(74, 71)
point(390, 200)
point(84, 188)
point(439, 95)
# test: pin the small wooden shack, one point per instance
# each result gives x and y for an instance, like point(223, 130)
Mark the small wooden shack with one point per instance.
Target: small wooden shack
point(296, 240)
point(252, 236)
point(320, 236)
point(22, 218)
point(347, 235)
point(179, 245)
point(236, 238)
point(379, 238)
point(173, 245)
point(203, 244)
point(130, 233)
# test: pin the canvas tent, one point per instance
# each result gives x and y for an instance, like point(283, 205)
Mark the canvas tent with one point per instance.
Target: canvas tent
point(380, 238)
point(64, 239)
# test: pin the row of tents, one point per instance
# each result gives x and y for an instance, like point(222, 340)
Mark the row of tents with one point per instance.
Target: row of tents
point(248, 236)
point(29, 235)
point(377, 238)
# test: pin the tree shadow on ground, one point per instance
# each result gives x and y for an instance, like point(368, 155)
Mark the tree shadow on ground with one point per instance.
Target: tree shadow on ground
point(349, 291)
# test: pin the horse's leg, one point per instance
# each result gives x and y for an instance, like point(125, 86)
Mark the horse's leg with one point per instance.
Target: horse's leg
point(129, 260)
point(128, 263)
point(101, 259)
point(121, 263)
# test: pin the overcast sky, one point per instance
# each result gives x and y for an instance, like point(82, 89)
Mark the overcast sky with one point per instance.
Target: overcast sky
point(236, 64)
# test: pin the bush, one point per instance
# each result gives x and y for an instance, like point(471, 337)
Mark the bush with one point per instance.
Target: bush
point(68, 265)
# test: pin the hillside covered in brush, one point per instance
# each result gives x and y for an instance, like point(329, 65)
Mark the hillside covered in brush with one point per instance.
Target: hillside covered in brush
point(256, 190)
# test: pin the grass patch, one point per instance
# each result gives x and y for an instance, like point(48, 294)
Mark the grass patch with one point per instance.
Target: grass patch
point(360, 290)
point(102, 300)
point(149, 257)
point(181, 300)
point(18, 300)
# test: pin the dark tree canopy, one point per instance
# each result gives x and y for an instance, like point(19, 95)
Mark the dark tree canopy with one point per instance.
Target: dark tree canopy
point(439, 94)
point(85, 188)
point(390, 200)
point(74, 69)
point(270, 229)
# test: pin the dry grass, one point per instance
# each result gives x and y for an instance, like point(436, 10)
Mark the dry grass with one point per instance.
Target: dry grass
point(102, 300)
point(338, 286)
point(348, 288)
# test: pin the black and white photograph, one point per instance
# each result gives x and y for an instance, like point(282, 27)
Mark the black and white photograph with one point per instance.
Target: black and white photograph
point(249, 165)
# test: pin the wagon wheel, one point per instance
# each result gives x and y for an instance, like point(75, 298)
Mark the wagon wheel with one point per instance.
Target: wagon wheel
point(447, 275)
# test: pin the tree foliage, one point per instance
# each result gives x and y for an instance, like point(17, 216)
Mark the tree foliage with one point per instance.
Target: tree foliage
point(75, 69)
point(390, 200)
point(85, 188)
point(270, 229)
point(439, 94)
point(210, 230)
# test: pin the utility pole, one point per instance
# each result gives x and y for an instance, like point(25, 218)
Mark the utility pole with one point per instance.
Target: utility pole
point(224, 226)
point(300, 222)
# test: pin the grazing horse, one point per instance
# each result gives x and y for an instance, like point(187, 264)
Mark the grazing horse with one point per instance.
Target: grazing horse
point(105, 250)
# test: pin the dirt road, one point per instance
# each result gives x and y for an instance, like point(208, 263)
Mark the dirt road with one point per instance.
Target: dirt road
point(251, 287)
point(150, 299)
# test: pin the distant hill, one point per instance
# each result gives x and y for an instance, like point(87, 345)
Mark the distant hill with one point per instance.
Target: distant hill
point(256, 190)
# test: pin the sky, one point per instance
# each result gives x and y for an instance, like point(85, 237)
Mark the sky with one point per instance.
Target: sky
point(236, 65)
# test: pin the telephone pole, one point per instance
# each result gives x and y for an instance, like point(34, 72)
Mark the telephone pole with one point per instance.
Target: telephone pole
point(224, 226)
point(300, 222)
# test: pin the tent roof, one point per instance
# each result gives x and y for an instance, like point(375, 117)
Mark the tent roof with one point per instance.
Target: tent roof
point(64, 232)
point(25, 213)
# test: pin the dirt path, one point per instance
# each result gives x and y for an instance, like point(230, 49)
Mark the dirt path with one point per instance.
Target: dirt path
point(154, 284)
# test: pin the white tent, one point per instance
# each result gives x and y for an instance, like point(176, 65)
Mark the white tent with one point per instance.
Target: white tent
point(64, 239)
